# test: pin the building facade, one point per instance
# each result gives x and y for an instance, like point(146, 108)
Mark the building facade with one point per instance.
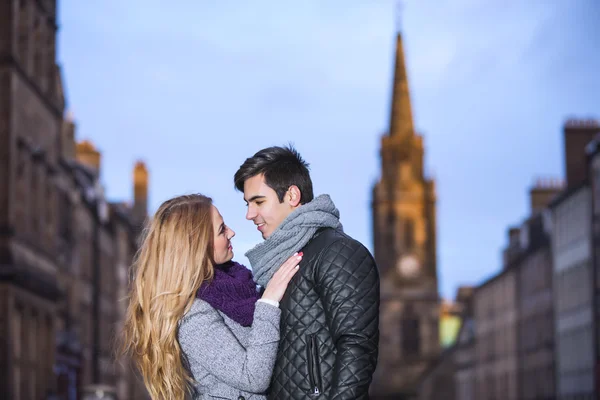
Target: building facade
point(438, 381)
point(495, 313)
point(593, 151)
point(404, 230)
point(31, 108)
point(63, 247)
point(572, 276)
point(574, 327)
point(465, 373)
point(535, 309)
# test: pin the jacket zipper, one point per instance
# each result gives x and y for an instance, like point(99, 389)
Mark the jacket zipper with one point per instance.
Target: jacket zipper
point(313, 365)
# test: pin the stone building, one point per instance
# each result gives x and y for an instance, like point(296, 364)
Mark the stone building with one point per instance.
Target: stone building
point(64, 250)
point(495, 312)
point(532, 333)
point(573, 272)
point(574, 338)
point(535, 308)
point(465, 379)
point(438, 381)
point(593, 152)
point(404, 229)
point(513, 317)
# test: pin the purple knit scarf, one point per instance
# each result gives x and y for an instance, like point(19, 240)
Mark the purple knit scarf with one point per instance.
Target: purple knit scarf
point(231, 291)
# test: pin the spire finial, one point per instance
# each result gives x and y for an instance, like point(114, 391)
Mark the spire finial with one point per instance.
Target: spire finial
point(399, 9)
point(401, 116)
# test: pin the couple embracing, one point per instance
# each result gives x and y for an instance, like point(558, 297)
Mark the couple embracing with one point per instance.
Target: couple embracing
point(303, 324)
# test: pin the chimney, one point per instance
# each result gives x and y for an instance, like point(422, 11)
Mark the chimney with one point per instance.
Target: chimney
point(68, 137)
point(89, 156)
point(514, 247)
point(140, 193)
point(513, 237)
point(464, 294)
point(578, 133)
point(542, 193)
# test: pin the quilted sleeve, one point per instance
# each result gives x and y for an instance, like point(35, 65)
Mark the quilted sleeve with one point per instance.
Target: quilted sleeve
point(207, 341)
point(348, 283)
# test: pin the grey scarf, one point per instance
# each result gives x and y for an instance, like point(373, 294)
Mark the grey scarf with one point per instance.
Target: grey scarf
point(291, 236)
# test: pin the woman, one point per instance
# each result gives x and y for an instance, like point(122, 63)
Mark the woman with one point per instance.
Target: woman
point(195, 323)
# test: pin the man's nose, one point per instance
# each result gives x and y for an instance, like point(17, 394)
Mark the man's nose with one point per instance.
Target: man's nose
point(251, 213)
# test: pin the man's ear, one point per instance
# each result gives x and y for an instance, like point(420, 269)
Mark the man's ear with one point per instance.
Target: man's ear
point(293, 196)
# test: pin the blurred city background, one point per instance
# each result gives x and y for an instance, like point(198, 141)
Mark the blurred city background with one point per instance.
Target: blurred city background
point(460, 140)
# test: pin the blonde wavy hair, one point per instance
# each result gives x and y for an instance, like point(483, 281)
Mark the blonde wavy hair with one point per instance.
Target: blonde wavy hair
point(174, 258)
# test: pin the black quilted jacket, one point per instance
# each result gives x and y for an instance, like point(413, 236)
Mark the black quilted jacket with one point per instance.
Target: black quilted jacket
point(329, 323)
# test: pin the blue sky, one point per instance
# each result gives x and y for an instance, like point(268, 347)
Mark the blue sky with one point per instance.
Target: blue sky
point(194, 87)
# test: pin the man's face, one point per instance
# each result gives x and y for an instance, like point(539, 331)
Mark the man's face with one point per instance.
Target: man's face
point(264, 208)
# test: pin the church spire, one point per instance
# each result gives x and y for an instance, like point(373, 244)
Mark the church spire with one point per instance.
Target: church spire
point(401, 122)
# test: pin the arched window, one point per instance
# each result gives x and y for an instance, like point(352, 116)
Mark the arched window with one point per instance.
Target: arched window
point(38, 46)
point(409, 234)
point(411, 333)
point(24, 29)
point(391, 229)
point(35, 196)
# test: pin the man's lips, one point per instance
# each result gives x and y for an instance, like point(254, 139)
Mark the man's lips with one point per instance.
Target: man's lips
point(260, 226)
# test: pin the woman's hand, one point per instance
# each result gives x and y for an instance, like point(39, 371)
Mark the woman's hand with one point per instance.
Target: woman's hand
point(278, 283)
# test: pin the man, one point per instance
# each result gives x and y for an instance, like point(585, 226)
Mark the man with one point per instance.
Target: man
point(330, 312)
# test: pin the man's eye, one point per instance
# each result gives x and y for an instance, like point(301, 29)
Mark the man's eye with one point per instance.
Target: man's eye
point(258, 203)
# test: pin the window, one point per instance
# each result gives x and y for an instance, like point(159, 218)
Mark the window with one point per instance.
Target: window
point(411, 333)
point(64, 216)
point(50, 212)
point(35, 197)
point(37, 47)
point(596, 184)
point(391, 231)
point(36, 361)
point(23, 32)
point(21, 184)
point(409, 234)
point(17, 330)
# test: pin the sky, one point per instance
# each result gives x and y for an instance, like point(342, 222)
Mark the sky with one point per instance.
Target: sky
point(193, 88)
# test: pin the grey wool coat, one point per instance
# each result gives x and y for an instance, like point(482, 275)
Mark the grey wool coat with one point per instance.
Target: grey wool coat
point(226, 359)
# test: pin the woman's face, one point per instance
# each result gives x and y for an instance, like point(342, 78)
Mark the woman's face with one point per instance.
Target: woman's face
point(223, 250)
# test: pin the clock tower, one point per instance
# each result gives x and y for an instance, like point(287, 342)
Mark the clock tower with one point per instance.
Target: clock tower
point(404, 231)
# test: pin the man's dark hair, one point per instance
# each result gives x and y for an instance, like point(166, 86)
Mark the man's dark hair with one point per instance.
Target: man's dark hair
point(282, 167)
